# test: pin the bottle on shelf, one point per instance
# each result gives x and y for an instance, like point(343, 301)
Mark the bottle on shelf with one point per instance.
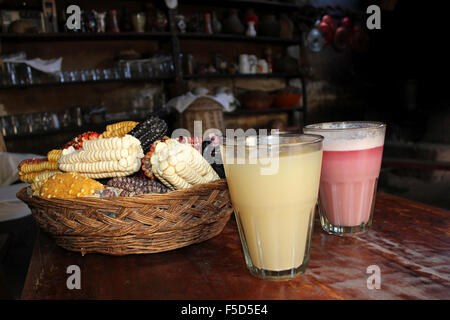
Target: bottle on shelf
point(112, 24)
point(268, 57)
point(251, 31)
point(207, 27)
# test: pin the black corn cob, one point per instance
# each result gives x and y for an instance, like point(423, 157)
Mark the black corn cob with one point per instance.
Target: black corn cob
point(148, 131)
point(136, 185)
point(214, 151)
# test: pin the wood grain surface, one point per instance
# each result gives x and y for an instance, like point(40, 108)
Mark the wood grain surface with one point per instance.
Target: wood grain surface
point(409, 242)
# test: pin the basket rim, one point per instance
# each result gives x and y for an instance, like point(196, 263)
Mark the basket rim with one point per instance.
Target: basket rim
point(195, 190)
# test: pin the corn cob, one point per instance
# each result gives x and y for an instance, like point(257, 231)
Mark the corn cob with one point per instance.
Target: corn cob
point(25, 165)
point(180, 166)
point(69, 185)
point(29, 177)
point(147, 164)
point(77, 142)
point(103, 158)
point(130, 186)
point(119, 129)
point(39, 166)
point(40, 179)
point(195, 142)
point(148, 131)
point(53, 155)
point(29, 169)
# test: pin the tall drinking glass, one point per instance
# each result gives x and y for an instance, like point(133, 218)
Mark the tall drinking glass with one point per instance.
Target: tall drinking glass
point(274, 184)
point(352, 153)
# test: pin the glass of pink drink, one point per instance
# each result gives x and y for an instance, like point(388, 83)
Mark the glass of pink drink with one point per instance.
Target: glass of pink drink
point(352, 153)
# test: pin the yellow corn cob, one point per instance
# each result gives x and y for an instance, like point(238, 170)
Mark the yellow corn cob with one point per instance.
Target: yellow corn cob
point(35, 167)
point(30, 176)
point(40, 179)
point(119, 129)
point(53, 155)
point(29, 169)
point(69, 185)
point(180, 166)
point(103, 158)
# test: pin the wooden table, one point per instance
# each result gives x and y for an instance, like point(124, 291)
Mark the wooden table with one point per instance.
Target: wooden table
point(409, 242)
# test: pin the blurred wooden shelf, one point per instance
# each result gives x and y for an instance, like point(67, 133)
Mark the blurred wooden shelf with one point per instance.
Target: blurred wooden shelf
point(72, 130)
point(238, 37)
point(261, 4)
point(83, 36)
point(241, 75)
point(11, 41)
point(92, 36)
point(241, 112)
point(48, 84)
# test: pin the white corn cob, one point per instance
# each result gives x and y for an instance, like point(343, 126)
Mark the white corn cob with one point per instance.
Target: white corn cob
point(103, 158)
point(180, 166)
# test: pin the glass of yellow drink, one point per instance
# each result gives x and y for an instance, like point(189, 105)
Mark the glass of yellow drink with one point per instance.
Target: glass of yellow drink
point(273, 183)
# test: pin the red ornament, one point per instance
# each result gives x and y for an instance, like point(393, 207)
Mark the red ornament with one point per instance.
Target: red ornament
point(250, 16)
point(346, 23)
point(326, 31)
point(330, 21)
point(359, 40)
point(341, 38)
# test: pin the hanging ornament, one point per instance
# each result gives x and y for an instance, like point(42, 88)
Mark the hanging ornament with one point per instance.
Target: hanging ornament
point(342, 35)
point(315, 40)
point(359, 40)
point(341, 38)
point(327, 32)
point(171, 4)
point(347, 23)
point(330, 21)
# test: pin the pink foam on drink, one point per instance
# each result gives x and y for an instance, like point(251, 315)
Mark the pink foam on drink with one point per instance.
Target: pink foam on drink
point(350, 168)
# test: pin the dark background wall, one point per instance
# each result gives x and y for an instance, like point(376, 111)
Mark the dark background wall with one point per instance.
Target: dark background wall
point(402, 79)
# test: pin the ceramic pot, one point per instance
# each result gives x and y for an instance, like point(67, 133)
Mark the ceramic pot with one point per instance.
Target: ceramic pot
point(244, 65)
point(257, 100)
point(287, 27)
point(251, 31)
point(269, 26)
point(232, 24)
point(286, 101)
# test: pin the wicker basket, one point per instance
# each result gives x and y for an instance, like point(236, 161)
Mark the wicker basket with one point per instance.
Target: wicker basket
point(134, 225)
point(204, 109)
